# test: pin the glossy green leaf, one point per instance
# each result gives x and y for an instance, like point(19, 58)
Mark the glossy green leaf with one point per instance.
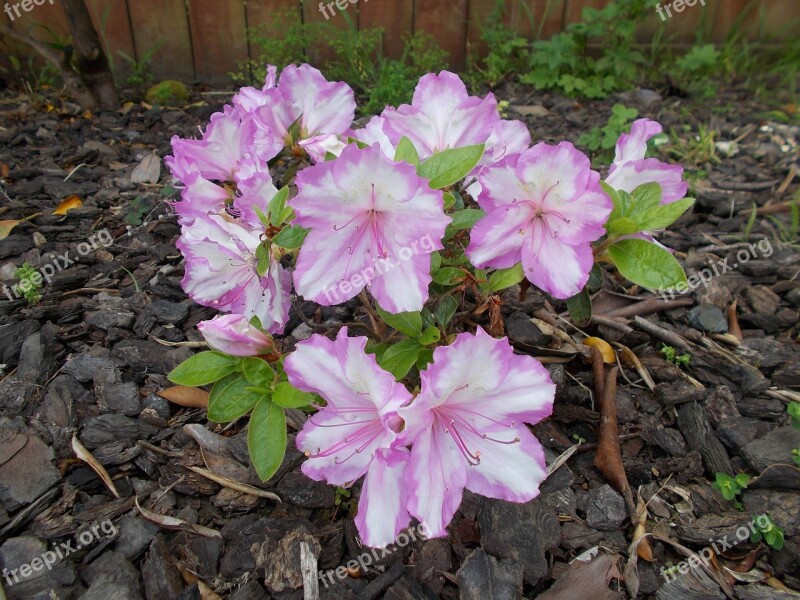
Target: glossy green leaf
point(291, 237)
point(257, 371)
point(406, 152)
point(203, 368)
point(277, 206)
point(580, 308)
point(664, 215)
point(409, 323)
point(230, 398)
point(464, 219)
point(449, 166)
point(431, 335)
point(266, 438)
point(505, 278)
point(288, 396)
point(647, 264)
point(447, 275)
point(445, 310)
point(400, 357)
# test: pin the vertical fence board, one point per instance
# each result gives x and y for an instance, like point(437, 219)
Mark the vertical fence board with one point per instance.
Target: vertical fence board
point(446, 20)
point(110, 18)
point(396, 17)
point(682, 28)
point(574, 9)
point(163, 23)
point(219, 43)
point(536, 19)
point(317, 52)
point(36, 23)
point(263, 15)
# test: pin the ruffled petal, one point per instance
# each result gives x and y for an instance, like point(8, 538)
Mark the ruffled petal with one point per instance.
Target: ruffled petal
point(631, 175)
point(496, 239)
point(557, 268)
point(633, 145)
point(382, 512)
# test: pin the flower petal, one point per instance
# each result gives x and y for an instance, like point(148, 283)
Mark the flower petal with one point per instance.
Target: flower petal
point(631, 175)
point(382, 512)
point(496, 239)
point(559, 269)
point(633, 146)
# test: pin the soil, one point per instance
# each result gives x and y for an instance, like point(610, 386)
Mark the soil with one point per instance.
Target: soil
point(86, 363)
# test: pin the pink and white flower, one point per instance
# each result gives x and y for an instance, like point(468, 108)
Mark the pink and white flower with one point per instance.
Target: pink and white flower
point(544, 208)
point(468, 430)
point(232, 139)
point(235, 335)
point(631, 169)
point(221, 272)
point(365, 210)
point(357, 432)
point(442, 115)
point(323, 107)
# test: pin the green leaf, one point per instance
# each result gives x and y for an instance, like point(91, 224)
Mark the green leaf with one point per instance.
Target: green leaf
point(263, 258)
point(505, 278)
point(424, 358)
point(230, 399)
point(664, 215)
point(406, 152)
point(449, 200)
point(400, 357)
point(647, 264)
point(430, 336)
point(291, 237)
point(580, 308)
point(257, 371)
point(447, 275)
point(449, 166)
point(409, 323)
point(647, 195)
point(276, 206)
point(266, 438)
point(623, 226)
point(203, 368)
point(445, 310)
point(464, 219)
point(288, 396)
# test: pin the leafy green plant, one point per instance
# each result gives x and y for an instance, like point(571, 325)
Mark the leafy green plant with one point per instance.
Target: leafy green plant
point(695, 69)
point(694, 150)
point(771, 533)
point(168, 93)
point(565, 62)
point(604, 138)
point(30, 282)
point(731, 487)
point(137, 209)
point(671, 355)
point(141, 72)
point(508, 52)
point(281, 41)
point(794, 411)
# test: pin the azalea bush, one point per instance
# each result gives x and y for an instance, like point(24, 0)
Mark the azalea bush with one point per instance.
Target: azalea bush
point(422, 216)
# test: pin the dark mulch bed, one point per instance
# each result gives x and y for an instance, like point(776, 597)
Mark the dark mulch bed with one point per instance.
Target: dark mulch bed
point(87, 359)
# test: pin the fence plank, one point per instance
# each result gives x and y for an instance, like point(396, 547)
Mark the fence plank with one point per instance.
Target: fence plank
point(110, 18)
point(163, 24)
point(318, 52)
point(219, 44)
point(681, 28)
point(538, 18)
point(266, 16)
point(446, 20)
point(396, 17)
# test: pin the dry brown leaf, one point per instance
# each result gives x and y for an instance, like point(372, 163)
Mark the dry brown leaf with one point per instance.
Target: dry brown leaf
point(733, 323)
point(177, 524)
point(608, 458)
point(7, 226)
point(609, 356)
point(581, 577)
point(86, 456)
point(147, 171)
point(629, 359)
point(643, 548)
point(189, 397)
point(67, 204)
point(234, 485)
point(4, 170)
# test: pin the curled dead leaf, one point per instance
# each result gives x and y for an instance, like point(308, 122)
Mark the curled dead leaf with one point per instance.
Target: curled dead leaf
point(82, 453)
point(609, 356)
point(234, 485)
point(177, 524)
point(7, 226)
point(629, 359)
point(189, 397)
point(67, 204)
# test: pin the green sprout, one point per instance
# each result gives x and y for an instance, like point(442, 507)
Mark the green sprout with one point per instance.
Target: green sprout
point(30, 282)
point(731, 487)
point(794, 411)
point(671, 355)
point(768, 531)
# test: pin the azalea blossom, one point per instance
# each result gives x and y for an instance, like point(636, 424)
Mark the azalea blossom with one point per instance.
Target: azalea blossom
point(365, 210)
point(544, 208)
point(468, 430)
point(232, 140)
point(235, 335)
point(631, 169)
point(442, 115)
point(358, 430)
point(302, 93)
point(221, 272)
point(249, 98)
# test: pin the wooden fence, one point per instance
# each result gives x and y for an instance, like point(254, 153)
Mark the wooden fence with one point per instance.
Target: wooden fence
point(204, 40)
